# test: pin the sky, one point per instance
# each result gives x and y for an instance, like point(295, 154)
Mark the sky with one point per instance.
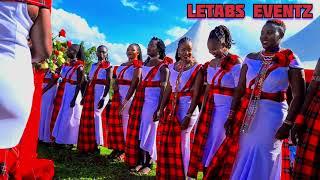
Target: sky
point(117, 23)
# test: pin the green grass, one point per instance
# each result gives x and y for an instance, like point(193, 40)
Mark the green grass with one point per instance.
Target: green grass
point(69, 164)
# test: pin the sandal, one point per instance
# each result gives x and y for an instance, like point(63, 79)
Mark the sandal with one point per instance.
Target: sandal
point(136, 169)
point(145, 170)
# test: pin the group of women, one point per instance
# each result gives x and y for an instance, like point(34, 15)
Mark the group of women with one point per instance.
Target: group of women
point(228, 118)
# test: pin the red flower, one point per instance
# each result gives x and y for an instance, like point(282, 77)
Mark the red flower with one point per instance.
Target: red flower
point(56, 52)
point(283, 57)
point(137, 63)
point(62, 33)
point(167, 60)
point(69, 43)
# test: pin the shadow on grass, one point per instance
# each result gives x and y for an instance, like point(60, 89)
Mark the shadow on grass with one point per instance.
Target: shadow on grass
point(69, 164)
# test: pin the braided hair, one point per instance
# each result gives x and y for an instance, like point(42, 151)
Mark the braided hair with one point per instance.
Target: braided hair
point(181, 41)
point(161, 48)
point(139, 50)
point(223, 35)
point(280, 24)
point(103, 46)
point(80, 54)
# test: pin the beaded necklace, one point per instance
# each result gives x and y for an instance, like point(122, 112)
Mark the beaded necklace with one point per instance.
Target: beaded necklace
point(256, 93)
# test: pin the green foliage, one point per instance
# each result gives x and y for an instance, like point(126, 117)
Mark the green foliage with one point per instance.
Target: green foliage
point(69, 164)
point(90, 54)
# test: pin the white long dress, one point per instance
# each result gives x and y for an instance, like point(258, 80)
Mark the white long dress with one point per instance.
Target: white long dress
point(16, 76)
point(259, 155)
point(46, 110)
point(66, 128)
point(148, 128)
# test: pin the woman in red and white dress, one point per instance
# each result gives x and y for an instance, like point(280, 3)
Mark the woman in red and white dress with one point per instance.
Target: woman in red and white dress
point(141, 143)
point(20, 94)
point(125, 81)
point(92, 130)
point(260, 118)
point(178, 119)
point(222, 76)
point(49, 91)
point(66, 118)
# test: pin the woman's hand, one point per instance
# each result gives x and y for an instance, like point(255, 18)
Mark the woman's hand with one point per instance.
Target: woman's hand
point(228, 127)
point(296, 134)
point(101, 103)
point(157, 115)
point(185, 123)
point(72, 103)
point(283, 131)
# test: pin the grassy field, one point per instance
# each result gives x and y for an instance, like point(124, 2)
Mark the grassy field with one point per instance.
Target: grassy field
point(71, 165)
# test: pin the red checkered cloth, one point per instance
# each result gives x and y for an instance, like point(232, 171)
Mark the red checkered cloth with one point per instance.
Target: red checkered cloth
point(308, 151)
point(170, 162)
point(58, 99)
point(205, 117)
point(223, 160)
point(132, 139)
point(40, 3)
point(87, 136)
point(115, 137)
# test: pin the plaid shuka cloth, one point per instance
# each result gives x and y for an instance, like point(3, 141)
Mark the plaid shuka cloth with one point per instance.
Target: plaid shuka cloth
point(222, 162)
point(308, 151)
point(170, 162)
point(132, 139)
point(113, 116)
point(59, 95)
point(204, 123)
point(87, 137)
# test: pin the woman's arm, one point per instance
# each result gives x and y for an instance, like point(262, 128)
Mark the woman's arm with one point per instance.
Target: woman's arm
point(298, 129)
point(298, 86)
point(194, 102)
point(164, 101)
point(40, 33)
point(106, 89)
point(164, 77)
point(237, 95)
point(134, 83)
point(78, 86)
